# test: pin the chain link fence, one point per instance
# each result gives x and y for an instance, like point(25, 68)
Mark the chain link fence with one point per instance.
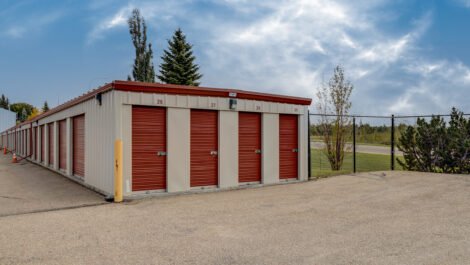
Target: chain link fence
point(371, 142)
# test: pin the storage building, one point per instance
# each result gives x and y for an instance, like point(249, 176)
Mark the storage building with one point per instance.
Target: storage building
point(174, 138)
point(7, 119)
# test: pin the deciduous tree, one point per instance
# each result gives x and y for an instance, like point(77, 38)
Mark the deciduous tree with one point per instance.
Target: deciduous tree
point(23, 110)
point(333, 100)
point(143, 70)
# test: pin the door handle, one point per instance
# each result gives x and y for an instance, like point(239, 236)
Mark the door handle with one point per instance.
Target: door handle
point(214, 153)
point(258, 151)
point(161, 153)
point(295, 150)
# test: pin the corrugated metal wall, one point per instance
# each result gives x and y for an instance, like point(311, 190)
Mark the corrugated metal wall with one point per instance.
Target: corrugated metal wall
point(179, 167)
point(113, 120)
point(99, 139)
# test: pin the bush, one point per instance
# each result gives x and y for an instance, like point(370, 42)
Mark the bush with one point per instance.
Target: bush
point(435, 146)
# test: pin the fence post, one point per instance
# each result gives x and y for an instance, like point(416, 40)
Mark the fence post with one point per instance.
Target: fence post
point(392, 143)
point(309, 148)
point(354, 144)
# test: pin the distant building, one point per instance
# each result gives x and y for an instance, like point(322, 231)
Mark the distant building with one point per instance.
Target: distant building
point(7, 119)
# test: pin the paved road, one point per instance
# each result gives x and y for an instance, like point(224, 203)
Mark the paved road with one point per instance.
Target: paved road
point(369, 149)
point(373, 218)
point(25, 187)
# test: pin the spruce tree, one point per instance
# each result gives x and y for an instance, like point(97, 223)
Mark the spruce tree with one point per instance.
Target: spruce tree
point(143, 70)
point(178, 65)
point(45, 107)
point(4, 102)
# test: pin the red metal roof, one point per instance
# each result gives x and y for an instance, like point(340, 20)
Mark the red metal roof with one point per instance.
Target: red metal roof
point(205, 91)
point(170, 89)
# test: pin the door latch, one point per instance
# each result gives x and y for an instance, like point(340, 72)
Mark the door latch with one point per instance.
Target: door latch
point(258, 151)
point(214, 153)
point(295, 150)
point(161, 153)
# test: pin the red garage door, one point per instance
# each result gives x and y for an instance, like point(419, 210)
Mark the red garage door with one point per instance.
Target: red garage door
point(25, 143)
point(43, 141)
point(288, 146)
point(50, 130)
point(22, 142)
point(148, 148)
point(249, 141)
point(30, 140)
point(34, 142)
point(79, 146)
point(204, 148)
point(62, 144)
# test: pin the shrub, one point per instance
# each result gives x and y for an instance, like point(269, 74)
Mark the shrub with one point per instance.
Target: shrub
point(435, 146)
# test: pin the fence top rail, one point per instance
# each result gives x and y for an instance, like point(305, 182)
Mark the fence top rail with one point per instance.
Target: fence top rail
point(384, 116)
point(350, 116)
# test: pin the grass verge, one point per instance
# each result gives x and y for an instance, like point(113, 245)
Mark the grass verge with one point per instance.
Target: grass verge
point(364, 163)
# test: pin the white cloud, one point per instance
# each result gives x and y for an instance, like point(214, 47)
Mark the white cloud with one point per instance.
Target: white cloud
point(291, 47)
point(119, 19)
point(150, 10)
point(21, 27)
point(465, 3)
point(15, 32)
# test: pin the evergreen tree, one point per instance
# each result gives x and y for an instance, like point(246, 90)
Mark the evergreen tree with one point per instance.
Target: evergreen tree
point(4, 102)
point(178, 65)
point(143, 70)
point(436, 147)
point(45, 107)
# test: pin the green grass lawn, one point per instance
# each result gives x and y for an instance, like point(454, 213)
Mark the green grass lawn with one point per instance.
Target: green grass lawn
point(319, 139)
point(364, 163)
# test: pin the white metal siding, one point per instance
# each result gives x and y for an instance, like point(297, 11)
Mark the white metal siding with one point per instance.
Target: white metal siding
point(178, 178)
point(99, 139)
point(7, 119)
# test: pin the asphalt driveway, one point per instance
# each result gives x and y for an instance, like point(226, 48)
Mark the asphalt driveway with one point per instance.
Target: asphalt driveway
point(27, 188)
point(371, 218)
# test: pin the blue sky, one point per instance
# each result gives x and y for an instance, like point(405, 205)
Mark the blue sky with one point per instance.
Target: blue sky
point(403, 56)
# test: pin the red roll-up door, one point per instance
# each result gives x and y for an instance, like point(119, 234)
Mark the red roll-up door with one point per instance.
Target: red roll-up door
point(204, 148)
point(288, 146)
point(79, 146)
point(148, 148)
point(30, 141)
point(25, 142)
point(62, 144)
point(34, 143)
point(249, 150)
point(21, 142)
point(50, 130)
point(23, 145)
point(43, 142)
